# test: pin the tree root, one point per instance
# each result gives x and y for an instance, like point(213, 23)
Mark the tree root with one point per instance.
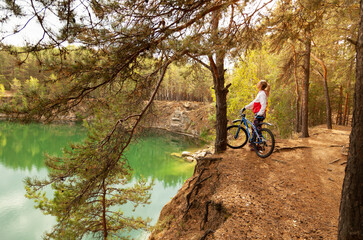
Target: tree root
point(206, 233)
point(289, 148)
point(196, 186)
point(199, 180)
point(205, 219)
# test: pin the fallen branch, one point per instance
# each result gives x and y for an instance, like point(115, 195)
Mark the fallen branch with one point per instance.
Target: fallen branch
point(336, 160)
point(289, 148)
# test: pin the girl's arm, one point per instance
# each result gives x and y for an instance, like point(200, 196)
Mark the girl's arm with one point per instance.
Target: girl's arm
point(250, 105)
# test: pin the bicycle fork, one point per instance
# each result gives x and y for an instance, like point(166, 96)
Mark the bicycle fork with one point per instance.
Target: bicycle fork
point(239, 128)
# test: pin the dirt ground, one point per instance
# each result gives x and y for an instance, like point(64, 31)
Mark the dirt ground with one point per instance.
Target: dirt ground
point(293, 194)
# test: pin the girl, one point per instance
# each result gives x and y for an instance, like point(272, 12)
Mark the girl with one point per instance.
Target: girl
point(259, 105)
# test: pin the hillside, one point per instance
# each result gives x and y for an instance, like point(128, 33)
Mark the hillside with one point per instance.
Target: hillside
point(293, 194)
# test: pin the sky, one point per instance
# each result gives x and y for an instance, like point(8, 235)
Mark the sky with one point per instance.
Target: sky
point(32, 32)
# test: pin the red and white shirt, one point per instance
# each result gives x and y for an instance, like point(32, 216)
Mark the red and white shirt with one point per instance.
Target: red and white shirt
point(259, 104)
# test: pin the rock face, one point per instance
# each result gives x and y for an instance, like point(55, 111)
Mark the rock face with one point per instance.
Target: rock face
point(190, 118)
point(179, 120)
point(198, 155)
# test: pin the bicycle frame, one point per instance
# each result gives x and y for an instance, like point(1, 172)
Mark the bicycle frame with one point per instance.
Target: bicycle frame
point(245, 121)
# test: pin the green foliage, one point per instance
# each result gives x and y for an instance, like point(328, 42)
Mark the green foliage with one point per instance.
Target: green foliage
point(317, 104)
point(14, 66)
point(2, 89)
point(282, 111)
point(93, 179)
point(90, 182)
point(256, 65)
point(26, 93)
point(207, 135)
point(114, 71)
point(184, 81)
point(16, 84)
point(330, 25)
point(242, 90)
point(32, 84)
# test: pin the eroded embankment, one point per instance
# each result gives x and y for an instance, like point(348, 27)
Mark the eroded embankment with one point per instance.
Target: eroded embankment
point(192, 214)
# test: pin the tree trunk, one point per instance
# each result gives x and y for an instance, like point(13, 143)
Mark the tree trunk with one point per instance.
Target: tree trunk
point(326, 92)
point(217, 69)
point(346, 104)
point(351, 205)
point(297, 113)
point(305, 94)
point(347, 123)
point(104, 220)
point(221, 103)
point(340, 106)
point(301, 104)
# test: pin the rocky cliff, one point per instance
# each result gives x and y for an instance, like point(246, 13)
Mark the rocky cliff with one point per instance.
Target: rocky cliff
point(190, 118)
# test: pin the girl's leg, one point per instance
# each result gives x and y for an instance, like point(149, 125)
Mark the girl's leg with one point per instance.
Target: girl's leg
point(258, 128)
point(257, 124)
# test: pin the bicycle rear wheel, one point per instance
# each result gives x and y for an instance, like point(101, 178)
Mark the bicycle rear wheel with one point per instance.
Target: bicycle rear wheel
point(236, 139)
point(266, 145)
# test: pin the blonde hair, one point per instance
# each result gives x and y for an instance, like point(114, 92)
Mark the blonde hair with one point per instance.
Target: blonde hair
point(265, 86)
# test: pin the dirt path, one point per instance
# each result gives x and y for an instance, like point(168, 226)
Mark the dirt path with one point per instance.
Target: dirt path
point(293, 194)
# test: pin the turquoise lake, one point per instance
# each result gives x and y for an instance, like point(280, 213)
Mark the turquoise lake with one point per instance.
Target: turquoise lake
point(22, 148)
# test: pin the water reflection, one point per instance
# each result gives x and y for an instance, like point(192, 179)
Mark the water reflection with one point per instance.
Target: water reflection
point(23, 146)
point(18, 218)
point(150, 156)
point(22, 149)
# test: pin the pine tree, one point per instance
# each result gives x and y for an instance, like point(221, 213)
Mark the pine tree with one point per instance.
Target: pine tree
point(351, 205)
point(295, 21)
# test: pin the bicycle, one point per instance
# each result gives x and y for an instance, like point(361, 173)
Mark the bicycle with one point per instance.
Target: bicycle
point(263, 141)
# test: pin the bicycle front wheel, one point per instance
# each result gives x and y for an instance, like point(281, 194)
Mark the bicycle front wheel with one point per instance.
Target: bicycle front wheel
point(265, 146)
point(236, 136)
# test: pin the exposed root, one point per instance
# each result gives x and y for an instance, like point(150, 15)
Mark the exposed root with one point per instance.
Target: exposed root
point(277, 149)
point(196, 186)
point(205, 235)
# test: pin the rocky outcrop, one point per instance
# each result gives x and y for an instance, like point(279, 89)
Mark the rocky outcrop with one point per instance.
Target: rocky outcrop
point(179, 121)
point(189, 118)
point(198, 155)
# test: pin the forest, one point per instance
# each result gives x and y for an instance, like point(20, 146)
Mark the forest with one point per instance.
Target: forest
point(118, 57)
point(276, 58)
point(189, 81)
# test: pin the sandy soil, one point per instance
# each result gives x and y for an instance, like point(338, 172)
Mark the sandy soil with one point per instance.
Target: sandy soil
point(293, 194)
